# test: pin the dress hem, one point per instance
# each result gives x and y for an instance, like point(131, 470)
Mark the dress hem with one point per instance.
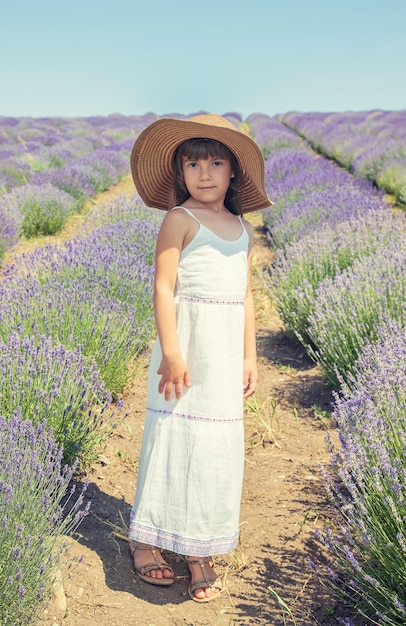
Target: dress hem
point(181, 545)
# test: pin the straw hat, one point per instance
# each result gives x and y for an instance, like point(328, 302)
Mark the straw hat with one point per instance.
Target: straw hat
point(154, 149)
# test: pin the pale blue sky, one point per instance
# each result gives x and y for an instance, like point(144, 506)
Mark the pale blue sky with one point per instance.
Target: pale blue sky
point(96, 57)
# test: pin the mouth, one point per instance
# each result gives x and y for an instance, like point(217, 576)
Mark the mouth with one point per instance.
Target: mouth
point(206, 188)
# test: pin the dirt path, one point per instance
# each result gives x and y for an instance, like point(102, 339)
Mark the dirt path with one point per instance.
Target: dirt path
point(283, 502)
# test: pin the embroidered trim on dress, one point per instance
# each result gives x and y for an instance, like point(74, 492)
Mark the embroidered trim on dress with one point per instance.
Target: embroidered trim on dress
point(181, 545)
point(195, 417)
point(209, 300)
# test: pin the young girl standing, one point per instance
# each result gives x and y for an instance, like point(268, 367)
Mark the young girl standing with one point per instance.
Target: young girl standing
point(206, 174)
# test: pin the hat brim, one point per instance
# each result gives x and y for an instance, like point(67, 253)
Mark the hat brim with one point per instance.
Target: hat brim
point(153, 151)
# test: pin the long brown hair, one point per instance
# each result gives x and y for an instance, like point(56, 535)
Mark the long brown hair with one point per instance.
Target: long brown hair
point(196, 149)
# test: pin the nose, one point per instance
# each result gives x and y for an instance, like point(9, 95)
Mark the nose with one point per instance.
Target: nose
point(205, 173)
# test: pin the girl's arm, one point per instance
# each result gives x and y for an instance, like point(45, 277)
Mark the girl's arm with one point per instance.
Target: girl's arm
point(173, 370)
point(250, 349)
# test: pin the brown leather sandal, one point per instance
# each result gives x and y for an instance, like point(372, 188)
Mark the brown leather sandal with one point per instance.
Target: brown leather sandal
point(158, 564)
point(214, 582)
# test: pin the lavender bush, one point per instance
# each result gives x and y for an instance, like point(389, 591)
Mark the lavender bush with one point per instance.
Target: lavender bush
point(271, 135)
point(8, 231)
point(299, 269)
point(95, 293)
point(35, 515)
point(104, 167)
point(392, 176)
point(349, 308)
point(368, 485)
point(285, 163)
point(12, 174)
point(45, 381)
point(71, 180)
point(38, 210)
point(332, 206)
point(120, 210)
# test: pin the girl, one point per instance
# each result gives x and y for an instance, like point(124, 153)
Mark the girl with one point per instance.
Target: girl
point(205, 173)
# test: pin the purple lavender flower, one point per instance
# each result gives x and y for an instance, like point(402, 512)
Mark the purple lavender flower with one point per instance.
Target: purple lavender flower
point(30, 463)
point(371, 467)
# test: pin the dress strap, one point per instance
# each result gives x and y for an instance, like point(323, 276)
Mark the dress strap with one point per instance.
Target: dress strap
point(187, 211)
point(242, 223)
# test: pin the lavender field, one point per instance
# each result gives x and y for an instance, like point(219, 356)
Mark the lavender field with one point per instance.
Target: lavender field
point(74, 317)
point(49, 167)
point(371, 144)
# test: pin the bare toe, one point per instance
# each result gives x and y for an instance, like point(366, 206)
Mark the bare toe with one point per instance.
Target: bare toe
point(149, 564)
point(205, 584)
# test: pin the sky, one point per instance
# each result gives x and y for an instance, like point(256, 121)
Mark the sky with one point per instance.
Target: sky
point(99, 57)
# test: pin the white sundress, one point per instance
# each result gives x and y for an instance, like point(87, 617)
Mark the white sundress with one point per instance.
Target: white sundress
point(191, 465)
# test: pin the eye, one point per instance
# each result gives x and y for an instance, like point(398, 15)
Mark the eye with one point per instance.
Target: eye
point(193, 164)
point(217, 163)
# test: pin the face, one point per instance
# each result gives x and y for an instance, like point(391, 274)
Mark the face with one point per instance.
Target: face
point(207, 180)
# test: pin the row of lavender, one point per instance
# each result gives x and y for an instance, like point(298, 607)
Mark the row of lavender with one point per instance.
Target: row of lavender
point(50, 167)
point(29, 146)
point(339, 282)
point(73, 318)
point(370, 143)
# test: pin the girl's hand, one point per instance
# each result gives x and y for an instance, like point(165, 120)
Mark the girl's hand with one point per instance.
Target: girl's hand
point(250, 377)
point(174, 374)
